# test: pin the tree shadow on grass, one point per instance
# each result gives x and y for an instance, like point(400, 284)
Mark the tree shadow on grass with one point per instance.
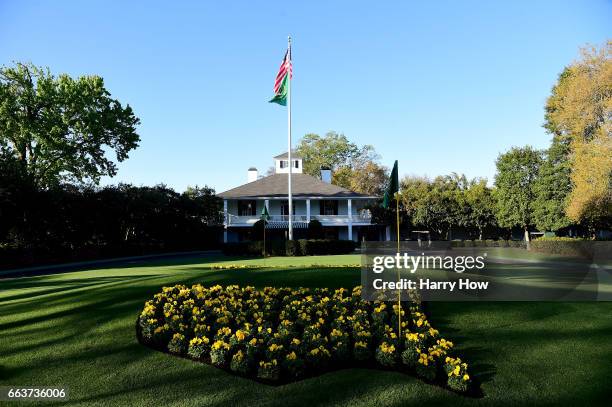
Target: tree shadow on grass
point(92, 307)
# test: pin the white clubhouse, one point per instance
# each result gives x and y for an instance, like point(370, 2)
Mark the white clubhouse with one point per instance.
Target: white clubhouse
point(342, 212)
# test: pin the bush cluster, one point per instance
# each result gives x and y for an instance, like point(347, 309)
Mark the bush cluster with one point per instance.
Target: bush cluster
point(69, 223)
point(566, 246)
point(284, 334)
point(302, 247)
point(488, 243)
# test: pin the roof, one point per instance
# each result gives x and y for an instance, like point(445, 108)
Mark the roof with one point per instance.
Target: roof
point(302, 185)
point(284, 155)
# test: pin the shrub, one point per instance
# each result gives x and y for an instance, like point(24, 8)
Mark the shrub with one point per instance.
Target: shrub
point(386, 355)
point(240, 363)
point(177, 344)
point(285, 334)
point(458, 378)
point(219, 353)
point(269, 370)
point(302, 247)
point(489, 243)
point(566, 246)
point(199, 347)
point(293, 248)
point(315, 229)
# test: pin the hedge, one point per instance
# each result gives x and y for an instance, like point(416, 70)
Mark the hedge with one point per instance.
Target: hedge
point(566, 246)
point(280, 335)
point(301, 247)
point(488, 243)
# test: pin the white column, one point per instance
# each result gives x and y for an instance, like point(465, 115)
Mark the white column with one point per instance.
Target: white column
point(225, 221)
point(267, 204)
point(350, 219)
point(308, 210)
point(388, 233)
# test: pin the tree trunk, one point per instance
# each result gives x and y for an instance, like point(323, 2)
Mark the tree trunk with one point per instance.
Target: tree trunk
point(527, 239)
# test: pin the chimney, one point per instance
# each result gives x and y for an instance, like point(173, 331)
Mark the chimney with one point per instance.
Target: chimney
point(252, 174)
point(326, 175)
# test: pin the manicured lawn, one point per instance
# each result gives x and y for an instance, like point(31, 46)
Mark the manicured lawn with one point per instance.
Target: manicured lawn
point(77, 330)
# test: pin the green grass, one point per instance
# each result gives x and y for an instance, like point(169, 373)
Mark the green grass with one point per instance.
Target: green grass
point(77, 330)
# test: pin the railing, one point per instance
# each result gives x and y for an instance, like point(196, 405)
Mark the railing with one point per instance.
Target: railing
point(360, 217)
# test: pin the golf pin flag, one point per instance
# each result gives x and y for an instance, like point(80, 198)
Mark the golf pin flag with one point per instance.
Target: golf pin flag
point(392, 187)
point(281, 84)
point(264, 213)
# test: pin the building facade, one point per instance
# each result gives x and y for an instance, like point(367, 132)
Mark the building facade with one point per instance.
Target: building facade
point(342, 213)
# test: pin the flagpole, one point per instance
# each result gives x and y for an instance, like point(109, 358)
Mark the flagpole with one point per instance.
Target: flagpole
point(399, 303)
point(289, 68)
point(264, 242)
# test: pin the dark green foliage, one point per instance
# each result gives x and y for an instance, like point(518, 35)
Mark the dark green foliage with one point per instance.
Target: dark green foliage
point(257, 230)
point(315, 229)
point(567, 246)
point(60, 128)
point(488, 243)
point(552, 187)
point(81, 223)
point(517, 170)
point(302, 247)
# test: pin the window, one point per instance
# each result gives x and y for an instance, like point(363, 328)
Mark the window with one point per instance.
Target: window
point(247, 208)
point(285, 208)
point(284, 164)
point(296, 164)
point(328, 207)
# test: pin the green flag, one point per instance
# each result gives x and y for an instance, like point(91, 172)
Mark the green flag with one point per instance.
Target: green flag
point(281, 84)
point(264, 214)
point(281, 96)
point(392, 187)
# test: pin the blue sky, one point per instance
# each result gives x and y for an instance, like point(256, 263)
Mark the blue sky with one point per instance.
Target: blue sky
point(440, 86)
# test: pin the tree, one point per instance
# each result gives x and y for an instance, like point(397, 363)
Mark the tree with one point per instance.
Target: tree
point(60, 128)
point(353, 167)
point(437, 205)
point(202, 203)
point(315, 230)
point(517, 170)
point(552, 187)
point(479, 199)
point(369, 179)
point(333, 151)
point(579, 110)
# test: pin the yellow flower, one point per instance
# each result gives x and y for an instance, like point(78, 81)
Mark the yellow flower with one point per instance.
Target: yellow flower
point(336, 332)
point(291, 356)
point(466, 377)
point(220, 344)
point(240, 335)
point(386, 348)
point(274, 347)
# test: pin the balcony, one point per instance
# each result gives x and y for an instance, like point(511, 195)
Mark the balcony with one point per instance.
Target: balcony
point(363, 217)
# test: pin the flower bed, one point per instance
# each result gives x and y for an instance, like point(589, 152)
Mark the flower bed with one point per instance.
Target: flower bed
point(278, 335)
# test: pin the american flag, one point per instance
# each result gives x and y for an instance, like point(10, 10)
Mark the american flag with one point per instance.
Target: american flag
point(282, 72)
